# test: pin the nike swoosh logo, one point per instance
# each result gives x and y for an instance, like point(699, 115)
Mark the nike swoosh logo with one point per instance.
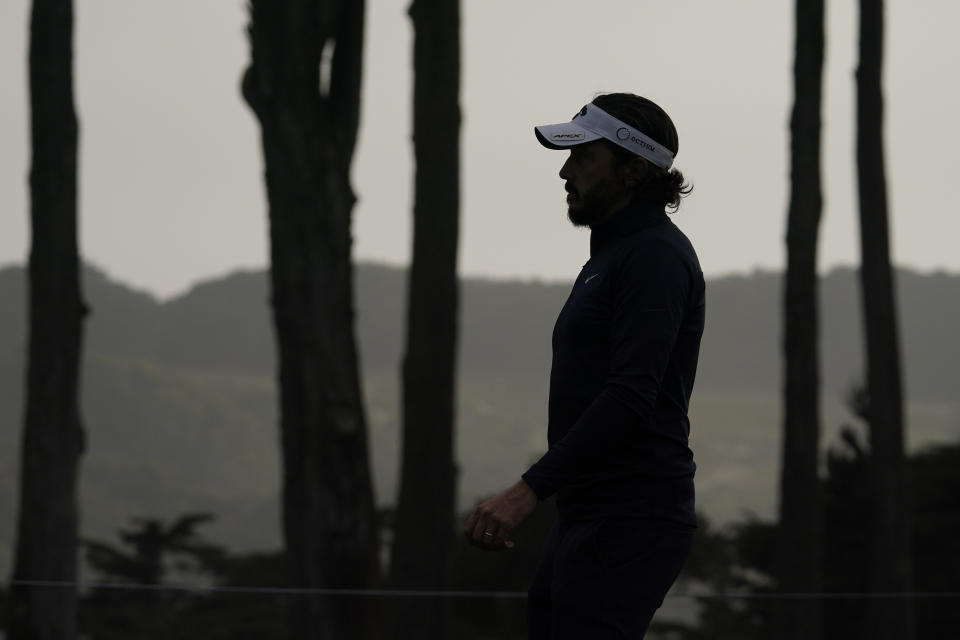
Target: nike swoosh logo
point(590, 278)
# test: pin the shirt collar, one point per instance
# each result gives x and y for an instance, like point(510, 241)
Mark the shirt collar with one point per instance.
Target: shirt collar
point(634, 217)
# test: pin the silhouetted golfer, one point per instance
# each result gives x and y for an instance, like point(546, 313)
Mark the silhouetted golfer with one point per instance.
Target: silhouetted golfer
point(625, 351)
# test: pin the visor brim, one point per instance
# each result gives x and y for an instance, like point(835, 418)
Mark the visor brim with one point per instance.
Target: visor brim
point(564, 135)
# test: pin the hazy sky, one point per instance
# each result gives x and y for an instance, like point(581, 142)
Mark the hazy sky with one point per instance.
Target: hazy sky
point(171, 170)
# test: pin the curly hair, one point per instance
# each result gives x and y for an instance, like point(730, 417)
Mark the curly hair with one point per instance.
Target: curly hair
point(666, 187)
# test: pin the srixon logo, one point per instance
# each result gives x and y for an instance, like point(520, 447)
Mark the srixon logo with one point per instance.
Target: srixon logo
point(625, 134)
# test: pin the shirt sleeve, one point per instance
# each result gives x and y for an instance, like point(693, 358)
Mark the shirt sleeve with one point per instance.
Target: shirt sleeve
point(650, 293)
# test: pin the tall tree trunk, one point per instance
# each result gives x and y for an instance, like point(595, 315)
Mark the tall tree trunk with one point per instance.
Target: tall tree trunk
point(424, 528)
point(892, 552)
point(46, 547)
point(304, 86)
point(800, 527)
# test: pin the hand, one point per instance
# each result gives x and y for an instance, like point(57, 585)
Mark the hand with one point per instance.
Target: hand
point(491, 522)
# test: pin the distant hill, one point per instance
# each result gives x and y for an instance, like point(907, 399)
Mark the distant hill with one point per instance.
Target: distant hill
point(224, 325)
point(179, 397)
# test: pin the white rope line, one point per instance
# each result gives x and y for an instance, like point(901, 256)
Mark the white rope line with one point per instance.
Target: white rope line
point(879, 595)
point(297, 591)
point(428, 593)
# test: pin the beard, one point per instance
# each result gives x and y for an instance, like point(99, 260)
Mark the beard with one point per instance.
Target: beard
point(593, 205)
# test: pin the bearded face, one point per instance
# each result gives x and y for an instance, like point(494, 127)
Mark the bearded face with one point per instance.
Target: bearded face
point(594, 188)
point(593, 205)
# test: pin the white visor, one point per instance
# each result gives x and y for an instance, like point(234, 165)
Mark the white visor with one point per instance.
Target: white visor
point(593, 123)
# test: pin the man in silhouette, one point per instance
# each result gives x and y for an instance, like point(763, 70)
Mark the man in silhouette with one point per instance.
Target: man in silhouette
point(625, 349)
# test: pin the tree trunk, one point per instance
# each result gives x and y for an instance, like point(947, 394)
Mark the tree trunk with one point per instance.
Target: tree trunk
point(46, 547)
point(424, 529)
point(304, 86)
point(892, 559)
point(800, 528)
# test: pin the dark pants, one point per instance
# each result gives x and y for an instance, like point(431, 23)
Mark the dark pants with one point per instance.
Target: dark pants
point(604, 580)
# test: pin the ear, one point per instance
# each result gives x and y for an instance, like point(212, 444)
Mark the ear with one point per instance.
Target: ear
point(634, 171)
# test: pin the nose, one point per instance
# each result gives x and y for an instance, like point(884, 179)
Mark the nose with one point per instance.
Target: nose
point(565, 169)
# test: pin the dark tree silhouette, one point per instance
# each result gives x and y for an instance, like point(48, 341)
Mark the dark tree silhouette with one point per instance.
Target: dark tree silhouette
point(892, 569)
point(144, 558)
point(799, 523)
point(150, 542)
point(741, 555)
point(46, 547)
point(423, 532)
point(303, 83)
point(146, 553)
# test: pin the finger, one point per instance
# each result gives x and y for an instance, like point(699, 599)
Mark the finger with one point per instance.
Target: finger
point(471, 538)
point(481, 531)
point(485, 530)
point(504, 543)
point(501, 535)
point(490, 536)
point(499, 546)
point(473, 524)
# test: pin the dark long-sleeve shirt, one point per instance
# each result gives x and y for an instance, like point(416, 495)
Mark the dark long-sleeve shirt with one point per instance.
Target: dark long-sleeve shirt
point(625, 349)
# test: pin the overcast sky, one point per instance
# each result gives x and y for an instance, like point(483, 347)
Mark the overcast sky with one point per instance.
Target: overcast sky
point(171, 170)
